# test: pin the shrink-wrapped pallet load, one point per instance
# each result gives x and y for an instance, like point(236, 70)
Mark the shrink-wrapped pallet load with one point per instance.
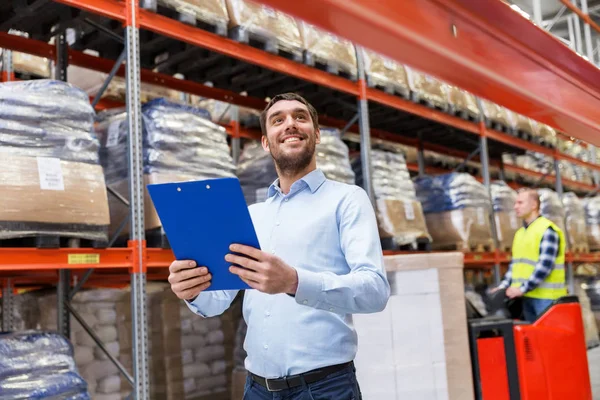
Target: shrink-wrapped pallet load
point(28, 64)
point(222, 113)
point(523, 124)
point(463, 103)
point(428, 89)
point(500, 118)
point(386, 73)
point(50, 178)
point(546, 134)
point(210, 12)
point(275, 30)
point(574, 149)
point(457, 211)
point(39, 365)
point(324, 48)
point(399, 214)
point(256, 169)
point(575, 218)
point(507, 222)
point(592, 222)
point(180, 143)
point(552, 207)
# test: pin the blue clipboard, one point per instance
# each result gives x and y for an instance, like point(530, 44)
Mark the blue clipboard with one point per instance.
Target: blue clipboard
point(201, 220)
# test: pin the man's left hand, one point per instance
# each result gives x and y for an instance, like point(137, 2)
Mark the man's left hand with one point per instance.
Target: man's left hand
point(262, 271)
point(513, 292)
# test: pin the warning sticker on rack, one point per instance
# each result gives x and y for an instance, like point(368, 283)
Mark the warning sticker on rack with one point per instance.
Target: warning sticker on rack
point(480, 216)
point(84, 259)
point(50, 171)
point(409, 211)
point(112, 139)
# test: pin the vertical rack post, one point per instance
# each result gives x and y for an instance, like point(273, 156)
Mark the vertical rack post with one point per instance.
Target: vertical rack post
point(363, 123)
point(537, 12)
point(64, 275)
point(235, 139)
point(420, 155)
point(137, 242)
point(571, 30)
point(577, 28)
point(568, 263)
point(7, 306)
point(587, 33)
point(7, 66)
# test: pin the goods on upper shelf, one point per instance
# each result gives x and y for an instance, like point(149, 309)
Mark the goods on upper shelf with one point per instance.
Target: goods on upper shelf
point(211, 12)
point(222, 113)
point(50, 179)
point(457, 211)
point(180, 143)
point(576, 150)
point(256, 170)
point(275, 30)
point(428, 89)
point(463, 102)
point(507, 222)
point(322, 47)
point(399, 215)
point(501, 118)
point(552, 207)
point(28, 64)
point(36, 365)
point(575, 218)
point(386, 73)
point(592, 221)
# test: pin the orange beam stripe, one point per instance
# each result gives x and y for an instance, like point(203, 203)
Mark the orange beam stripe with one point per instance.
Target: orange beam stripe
point(581, 14)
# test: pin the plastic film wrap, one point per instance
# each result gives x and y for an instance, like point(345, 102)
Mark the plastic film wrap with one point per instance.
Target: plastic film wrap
point(457, 211)
point(552, 207)
point(266, 22)
point(221, 112)
point(507, 222)
point(322, 46)
point(386, 72)
point(180, 143)
point(399, 214)
point(30, 64)
point(38, 365)
point(498, 114)
point(545, 132)
point(428, 88)
point(522, 123)
point(463, 101)
point(592, 221)
point(333, 158)
point(213, 12)
point(575, 213)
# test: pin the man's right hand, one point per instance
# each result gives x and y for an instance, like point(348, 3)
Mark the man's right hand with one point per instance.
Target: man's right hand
point(187, 280)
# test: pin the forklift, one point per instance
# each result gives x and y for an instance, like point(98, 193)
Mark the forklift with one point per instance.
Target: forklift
point(517, 360)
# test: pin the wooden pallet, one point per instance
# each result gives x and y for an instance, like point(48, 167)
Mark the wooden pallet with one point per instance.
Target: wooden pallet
point(330, 66)
point(420, 244)
point(465, 247)
point(417, 98)
point(580, 248)
point(389, 88)
point(464, 114)
point(218, 28)
point(268, 44)
point(497, 126)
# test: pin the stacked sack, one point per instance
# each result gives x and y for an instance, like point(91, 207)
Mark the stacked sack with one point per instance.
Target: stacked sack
point(180, 143)
point(592, 222)
point(426, 88)
point(187, 353)
point(552, 207)
point(323, 47)
point(98, 308)
point(457, 211)
point(387, 73)
point(35, 365)
point(256, 169)
point(399, 215)
point(507, 222)
point(576, 227)
point(50, 179)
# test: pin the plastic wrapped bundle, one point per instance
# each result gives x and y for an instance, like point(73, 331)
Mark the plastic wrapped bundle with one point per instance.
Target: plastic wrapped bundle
point(428, 89)
point(333, 158)
point(592, 222)
point(38, 365)
point(222, 113)
point(576, 227)
point(507, 222)
point(29, 64)
point(212, 12)
point(386, 73)
point(545, 133)
point(323, 47)
point(523, 124)
point(180, 143)
point(498, 114)
point(457, 211)
point(463, 101)
point(552, 207)
point(573, 149)
point(50, 179)
point(276, 30)
point(399, 214)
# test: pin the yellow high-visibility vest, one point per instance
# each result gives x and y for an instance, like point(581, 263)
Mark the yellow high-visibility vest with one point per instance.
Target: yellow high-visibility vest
point(526, 254)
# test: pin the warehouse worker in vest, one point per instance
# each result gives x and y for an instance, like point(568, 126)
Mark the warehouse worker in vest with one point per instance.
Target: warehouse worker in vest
point(322, 262)
point(537, 271)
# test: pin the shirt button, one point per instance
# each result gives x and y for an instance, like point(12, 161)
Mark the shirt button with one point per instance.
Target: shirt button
point(266, 347)
point(273, 251)
point(268, 314)
point(330, 308)
point(305, 302)
point(278, 223)
point(287, 199)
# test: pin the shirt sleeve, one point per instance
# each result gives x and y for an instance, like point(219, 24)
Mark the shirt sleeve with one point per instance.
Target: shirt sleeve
point(507, 278)
point(543, 268)
point(365, 288)
point(212, 303)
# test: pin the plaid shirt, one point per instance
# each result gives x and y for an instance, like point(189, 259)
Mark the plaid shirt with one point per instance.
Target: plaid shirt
point(548, 253)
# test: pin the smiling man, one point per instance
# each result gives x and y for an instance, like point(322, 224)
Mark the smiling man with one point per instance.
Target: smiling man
point(322, 262)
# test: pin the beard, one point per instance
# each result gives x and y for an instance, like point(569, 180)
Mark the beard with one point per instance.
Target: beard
point(291, 164)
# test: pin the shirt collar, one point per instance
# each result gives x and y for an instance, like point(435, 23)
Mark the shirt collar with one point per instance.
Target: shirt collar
point(313, 180)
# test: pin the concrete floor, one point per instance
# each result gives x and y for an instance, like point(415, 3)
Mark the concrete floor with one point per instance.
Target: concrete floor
point(594, 362)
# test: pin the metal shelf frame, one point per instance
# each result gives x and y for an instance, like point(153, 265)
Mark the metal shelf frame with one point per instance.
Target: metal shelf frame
point(575, 112)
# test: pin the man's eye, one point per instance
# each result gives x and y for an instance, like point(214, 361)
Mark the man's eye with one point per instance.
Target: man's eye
point(300, 117)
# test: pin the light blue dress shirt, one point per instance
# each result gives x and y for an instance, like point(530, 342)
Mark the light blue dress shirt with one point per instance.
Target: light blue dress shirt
point(327, 231)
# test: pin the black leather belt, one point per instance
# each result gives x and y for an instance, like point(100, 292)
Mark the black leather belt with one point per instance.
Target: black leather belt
point(278, 384)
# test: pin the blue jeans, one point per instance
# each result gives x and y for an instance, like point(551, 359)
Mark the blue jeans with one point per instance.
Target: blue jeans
point(340, 385)
point(532, 308)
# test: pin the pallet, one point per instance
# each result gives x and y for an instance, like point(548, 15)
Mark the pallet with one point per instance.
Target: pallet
point(416, 97)
point(580, 249)
point(155, 238)
point(525, 135)
point(330, 66)
point(52, 242)
point(497, 126)
point(463, 114)
point(478, 248)
point(219, 28)
point(421, 244)
point(389, 88)
point(268, 44)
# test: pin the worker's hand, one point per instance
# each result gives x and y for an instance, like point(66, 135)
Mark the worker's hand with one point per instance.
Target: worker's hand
point(513, 292)
point(262, 271)
point(187, 280)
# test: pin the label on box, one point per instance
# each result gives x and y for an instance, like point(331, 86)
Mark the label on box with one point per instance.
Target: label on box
point(50, 171)
point(261, 194)
point(84, 258)
point(514, 222)
point(480, 216)
point(112, 137)
point(409, 210)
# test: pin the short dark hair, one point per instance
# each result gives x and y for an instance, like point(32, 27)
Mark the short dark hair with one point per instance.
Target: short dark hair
point(290, 97)
point(533, 194)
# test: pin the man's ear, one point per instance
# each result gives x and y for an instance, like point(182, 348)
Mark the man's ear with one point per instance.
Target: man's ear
point(264, 142)
point(318, 135)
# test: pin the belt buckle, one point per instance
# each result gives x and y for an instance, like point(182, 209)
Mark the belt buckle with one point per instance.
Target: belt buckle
point(269, 388)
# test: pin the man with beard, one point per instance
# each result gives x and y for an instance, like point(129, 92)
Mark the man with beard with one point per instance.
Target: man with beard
point(322, 262)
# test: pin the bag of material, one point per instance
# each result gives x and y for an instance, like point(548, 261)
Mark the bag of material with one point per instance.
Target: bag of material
point(552, 207)
point(592, 221)
point(462, 100)
point(457, 211)
point(386, 72)
point(576, 226)
point(323, 46)
point(498, 114)
point(29, 64)
point(428, 88)
point(507, 222)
